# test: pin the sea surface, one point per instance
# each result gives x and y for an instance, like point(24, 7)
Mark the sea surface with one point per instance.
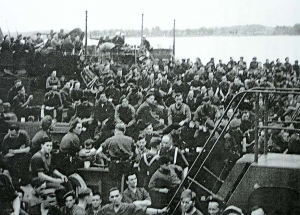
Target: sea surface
point(224, 47)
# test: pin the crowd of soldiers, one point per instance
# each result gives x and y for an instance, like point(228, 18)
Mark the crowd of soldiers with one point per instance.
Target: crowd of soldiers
point(146, 123)
point(26, 53)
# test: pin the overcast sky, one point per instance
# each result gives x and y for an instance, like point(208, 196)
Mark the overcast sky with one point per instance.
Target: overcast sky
point(31, 15)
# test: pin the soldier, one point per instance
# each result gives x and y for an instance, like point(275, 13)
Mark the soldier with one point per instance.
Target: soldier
point(188, 198)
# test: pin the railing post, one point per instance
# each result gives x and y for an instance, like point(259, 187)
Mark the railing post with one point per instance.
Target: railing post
point(266, 123)
point(85, 48)
point(256, 126)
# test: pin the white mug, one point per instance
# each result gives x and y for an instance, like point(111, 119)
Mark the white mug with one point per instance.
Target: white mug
point(87, 164)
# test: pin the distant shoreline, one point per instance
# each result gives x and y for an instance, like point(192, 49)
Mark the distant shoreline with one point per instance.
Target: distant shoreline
point(162, 36)
point(232, 31)
point(177, 36)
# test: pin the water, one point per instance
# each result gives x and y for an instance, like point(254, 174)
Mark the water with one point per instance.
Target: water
point(220, 47)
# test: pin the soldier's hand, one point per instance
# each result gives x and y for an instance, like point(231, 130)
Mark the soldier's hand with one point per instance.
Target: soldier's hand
point(181, 123)
point(164, 190)
point(162, 121)
point(165, 210)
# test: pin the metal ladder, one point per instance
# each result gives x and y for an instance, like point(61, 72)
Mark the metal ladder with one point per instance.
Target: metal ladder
point(199, 174)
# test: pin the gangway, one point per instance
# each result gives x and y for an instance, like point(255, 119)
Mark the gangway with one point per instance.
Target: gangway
point(207, 180)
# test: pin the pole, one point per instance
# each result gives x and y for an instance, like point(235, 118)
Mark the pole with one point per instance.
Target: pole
point(142, 31)
point(135, 59)
point(266, 123)
point(279, 128)
point(85, 34)
point(7, 29)
point(256, 126)
point(174, 39)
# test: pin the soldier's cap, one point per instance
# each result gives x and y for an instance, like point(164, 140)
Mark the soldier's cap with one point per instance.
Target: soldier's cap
point(149, 94)
point(14, 126)
point(155, 141)
point(111, 81)
point(232, 209)
point(84, 99)
point(70, 193)
point(89, 142)
point(254, 58)
point(18, 80)
point(131, 82)
point(205, 99)
point(84, 192)
point(286, 58)
point(19, 88)
point(164, 158)
point(235, 123)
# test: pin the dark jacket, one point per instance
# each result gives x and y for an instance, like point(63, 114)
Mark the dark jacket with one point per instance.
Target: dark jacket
point(36, 210)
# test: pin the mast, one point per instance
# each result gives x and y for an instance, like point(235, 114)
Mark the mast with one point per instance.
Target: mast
point(8, 29)
point(142, 31)
point(174, 39)
point(1, 35)
point(85, 34)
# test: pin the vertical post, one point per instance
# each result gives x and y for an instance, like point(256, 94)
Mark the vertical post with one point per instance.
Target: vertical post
point(85, 34)
point(256, 126)
point(266, 123)
point(174, 39)
point(142, 31)
point(135, 57)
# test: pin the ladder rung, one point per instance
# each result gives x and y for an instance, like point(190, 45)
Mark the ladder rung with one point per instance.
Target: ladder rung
point(296, 113)
point(204, 167)
point(200, 185)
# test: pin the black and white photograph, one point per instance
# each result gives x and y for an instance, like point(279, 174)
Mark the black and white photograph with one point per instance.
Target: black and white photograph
point(145, 107)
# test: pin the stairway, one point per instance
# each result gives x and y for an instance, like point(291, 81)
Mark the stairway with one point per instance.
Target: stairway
point(207, 175)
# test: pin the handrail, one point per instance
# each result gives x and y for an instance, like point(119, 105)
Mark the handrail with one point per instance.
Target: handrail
point(257, 90)
point(206, 143)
